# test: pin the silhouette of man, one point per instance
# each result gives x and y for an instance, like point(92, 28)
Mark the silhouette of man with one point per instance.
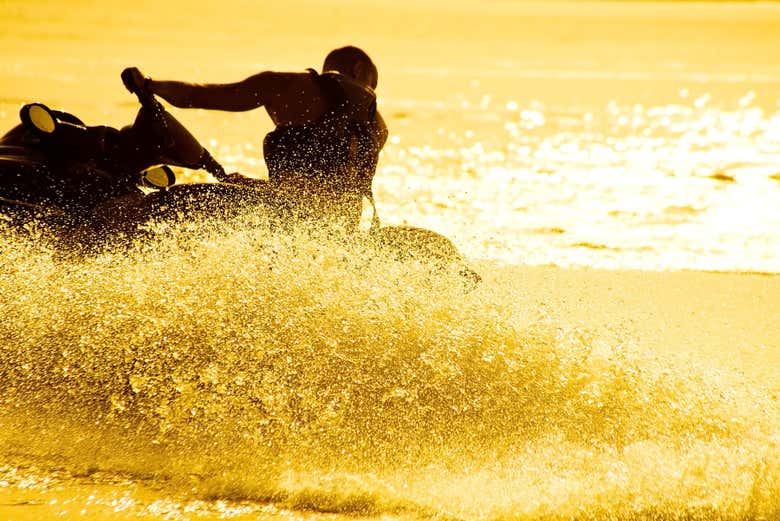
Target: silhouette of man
point(323, 153)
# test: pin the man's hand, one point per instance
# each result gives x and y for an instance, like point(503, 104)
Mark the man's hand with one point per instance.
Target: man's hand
point(134, 81)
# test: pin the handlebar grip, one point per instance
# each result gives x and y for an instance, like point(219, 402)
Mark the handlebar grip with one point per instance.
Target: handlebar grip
point(127, 80)
point(144, 95)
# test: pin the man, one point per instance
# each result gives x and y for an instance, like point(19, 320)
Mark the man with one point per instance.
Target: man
point(322, 155)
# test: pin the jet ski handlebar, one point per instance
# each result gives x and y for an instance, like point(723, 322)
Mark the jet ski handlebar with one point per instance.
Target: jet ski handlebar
point(177, 140)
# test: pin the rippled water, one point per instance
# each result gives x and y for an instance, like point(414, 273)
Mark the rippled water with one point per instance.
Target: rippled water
point(236, 373)
point(688, 184)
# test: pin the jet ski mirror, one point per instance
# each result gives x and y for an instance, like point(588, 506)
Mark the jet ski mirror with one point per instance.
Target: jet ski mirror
point(38, 117)
point(45, 122)
point(158, 177)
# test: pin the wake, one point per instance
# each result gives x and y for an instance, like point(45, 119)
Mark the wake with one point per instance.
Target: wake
point(248, 366)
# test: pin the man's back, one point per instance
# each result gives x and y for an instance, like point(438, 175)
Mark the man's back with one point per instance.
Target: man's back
point(324, 167)
point(327, 126)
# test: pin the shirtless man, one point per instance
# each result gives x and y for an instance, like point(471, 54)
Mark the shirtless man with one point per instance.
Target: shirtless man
point(323, 153)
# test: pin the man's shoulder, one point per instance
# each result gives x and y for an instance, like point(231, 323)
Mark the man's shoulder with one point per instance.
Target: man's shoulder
point(280, 80)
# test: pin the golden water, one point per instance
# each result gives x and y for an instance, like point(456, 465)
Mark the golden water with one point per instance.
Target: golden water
point(233, 373)
point(247, 367)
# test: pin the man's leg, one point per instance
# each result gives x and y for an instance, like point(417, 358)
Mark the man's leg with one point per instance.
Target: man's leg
point(156, 137)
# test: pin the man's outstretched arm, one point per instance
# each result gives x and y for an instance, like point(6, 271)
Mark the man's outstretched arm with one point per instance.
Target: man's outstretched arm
point(248, 94)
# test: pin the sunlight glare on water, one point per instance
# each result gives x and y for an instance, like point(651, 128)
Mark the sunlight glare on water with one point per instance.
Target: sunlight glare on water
point(684, 185)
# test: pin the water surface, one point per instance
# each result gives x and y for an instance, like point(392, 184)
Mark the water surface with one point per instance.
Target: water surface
point(233, 373)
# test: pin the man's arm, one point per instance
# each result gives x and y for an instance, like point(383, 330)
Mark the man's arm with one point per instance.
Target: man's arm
point(251, 93)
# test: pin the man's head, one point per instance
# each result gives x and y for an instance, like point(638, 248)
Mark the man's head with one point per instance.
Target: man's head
point(354, 63)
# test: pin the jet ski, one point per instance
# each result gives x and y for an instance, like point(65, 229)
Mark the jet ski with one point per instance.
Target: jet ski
point(96, 185)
